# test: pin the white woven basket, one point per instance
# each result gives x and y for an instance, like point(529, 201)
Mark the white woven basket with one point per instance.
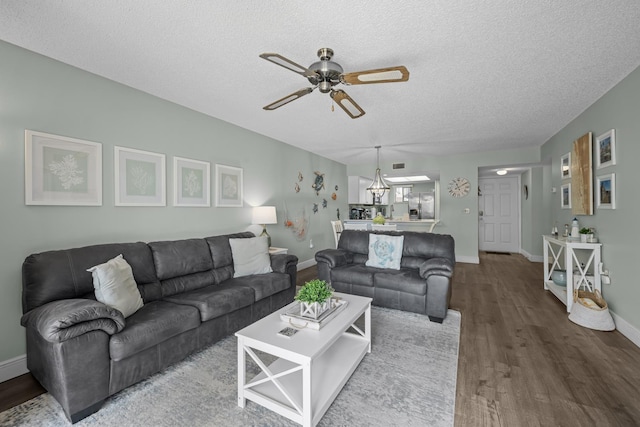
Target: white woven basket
point(590, 316)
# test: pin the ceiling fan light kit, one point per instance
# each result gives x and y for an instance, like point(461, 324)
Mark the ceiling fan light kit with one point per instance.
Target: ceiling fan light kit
point(325, 74)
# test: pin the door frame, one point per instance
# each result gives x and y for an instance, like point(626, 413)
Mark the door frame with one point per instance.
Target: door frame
point(518, 196)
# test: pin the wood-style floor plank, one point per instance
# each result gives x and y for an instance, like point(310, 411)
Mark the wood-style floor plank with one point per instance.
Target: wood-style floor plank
point(521, 362)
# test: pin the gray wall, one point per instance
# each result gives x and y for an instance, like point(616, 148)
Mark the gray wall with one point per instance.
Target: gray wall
point(618, 109)
point(463, 227)
point(40, 94)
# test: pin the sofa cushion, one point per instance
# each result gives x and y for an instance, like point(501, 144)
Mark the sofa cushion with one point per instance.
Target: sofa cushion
point(62, 274)
point(385, 251)
point(356, 274)
point(405, 280)
point(180, 257)
point(250, 256)
point(263, 285)
point(114, 285)
point(215, 301)
point(152, 324)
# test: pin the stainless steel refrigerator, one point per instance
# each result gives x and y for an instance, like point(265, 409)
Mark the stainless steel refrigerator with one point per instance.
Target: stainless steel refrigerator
point(422, 205)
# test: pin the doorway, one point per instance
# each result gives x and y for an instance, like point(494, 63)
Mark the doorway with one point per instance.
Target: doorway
point(498, 214)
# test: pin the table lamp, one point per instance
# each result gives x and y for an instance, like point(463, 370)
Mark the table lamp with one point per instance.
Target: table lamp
point(264, 215)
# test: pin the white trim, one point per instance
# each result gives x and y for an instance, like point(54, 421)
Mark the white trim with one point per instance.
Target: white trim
point(13, 368)
point(468, 259)
point(306, 264)
point(626, 329)
point(532, 258)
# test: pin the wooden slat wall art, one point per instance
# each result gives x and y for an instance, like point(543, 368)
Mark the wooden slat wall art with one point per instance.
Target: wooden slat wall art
point(582, 176)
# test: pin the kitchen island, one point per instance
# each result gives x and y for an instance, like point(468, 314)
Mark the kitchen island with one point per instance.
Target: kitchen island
point(402, 224)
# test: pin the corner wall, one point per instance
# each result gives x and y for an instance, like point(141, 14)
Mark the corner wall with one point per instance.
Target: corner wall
point(41, 94)
point(617, 229)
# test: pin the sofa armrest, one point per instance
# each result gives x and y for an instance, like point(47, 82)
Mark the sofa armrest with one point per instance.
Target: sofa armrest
point(334, 257)
point(62, 320)
point(281, 262)
point(436, 266)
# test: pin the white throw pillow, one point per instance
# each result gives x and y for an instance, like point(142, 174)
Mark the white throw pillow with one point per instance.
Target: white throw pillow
point(250, 256)
point(115, 286)
point(385, 251)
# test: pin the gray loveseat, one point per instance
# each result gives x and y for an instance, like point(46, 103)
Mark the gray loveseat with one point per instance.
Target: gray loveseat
point(421, 285)
point(83, 351)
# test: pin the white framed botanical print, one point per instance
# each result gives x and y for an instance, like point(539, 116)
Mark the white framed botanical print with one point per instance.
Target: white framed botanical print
point(140, 177)
point(565, 196)
point(606, 191)
point(228, 182)
point(191, 182)
point(62, 171)
point(606, 149)
point(565, 166)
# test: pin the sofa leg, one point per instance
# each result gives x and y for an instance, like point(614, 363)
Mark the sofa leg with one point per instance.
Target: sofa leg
point(74, 418)
point(436, 319)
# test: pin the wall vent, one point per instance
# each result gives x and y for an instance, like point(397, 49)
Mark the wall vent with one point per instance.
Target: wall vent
point(398, 166)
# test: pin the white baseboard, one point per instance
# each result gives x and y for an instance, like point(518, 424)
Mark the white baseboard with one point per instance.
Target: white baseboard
point(13, 368)
point(532, 258)
point(306, 264)
point(626, 329)
point(468, 259)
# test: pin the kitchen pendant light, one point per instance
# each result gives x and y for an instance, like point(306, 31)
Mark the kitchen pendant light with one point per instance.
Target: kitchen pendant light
point(378, 187)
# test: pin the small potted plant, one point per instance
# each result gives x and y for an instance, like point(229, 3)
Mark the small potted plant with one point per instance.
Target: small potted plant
point(379, 219)
point(586, 235)
point(315, 298)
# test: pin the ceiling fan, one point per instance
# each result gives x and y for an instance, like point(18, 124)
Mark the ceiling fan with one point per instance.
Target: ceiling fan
point(325, 74)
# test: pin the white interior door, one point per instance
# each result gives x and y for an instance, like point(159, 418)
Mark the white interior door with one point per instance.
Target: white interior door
point(498, 212)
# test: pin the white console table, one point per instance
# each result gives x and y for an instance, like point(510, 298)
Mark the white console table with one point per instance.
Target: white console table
point(562, 253)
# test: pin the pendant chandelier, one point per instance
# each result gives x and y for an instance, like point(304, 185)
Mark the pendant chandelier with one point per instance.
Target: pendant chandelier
point(378, 187)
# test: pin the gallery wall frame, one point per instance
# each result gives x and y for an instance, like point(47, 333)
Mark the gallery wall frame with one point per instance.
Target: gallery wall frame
point(62, 171)
point(606, 149)
point(140, 177)
point(229, 186)
point(565, 166)
point(565, 196)
point(606, 191)
point(191, 182)
point(582, 176)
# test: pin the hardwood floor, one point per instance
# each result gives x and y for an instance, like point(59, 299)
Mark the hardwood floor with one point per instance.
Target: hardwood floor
point(521, 362)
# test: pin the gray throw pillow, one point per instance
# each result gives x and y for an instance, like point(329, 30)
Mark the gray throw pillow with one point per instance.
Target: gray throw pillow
point(115, 286)
point(250, 256)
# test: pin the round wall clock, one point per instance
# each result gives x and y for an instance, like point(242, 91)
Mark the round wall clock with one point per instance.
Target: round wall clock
point(459, 187)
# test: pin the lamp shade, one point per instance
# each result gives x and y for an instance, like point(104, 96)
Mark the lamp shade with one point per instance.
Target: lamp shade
point(264, 215)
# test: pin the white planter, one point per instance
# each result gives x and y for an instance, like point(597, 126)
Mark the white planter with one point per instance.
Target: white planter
point(314, 309)
point(586, 238)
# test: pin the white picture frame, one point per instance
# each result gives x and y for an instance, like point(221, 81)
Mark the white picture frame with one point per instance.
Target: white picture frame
point(565, 196)
point(606, 149)
point(228, 182)
point(59, 170)
point(140, 177)
point(565, 166)
point(606, 191)
point(191, 182)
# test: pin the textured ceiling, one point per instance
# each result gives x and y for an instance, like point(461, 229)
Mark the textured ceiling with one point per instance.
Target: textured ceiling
point(485, 75)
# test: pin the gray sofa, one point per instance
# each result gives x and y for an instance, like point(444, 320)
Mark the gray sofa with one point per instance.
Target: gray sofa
point(83, 351)
point(421, 285)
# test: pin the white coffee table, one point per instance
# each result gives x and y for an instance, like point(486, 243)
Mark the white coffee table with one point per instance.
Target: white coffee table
point(312, 366)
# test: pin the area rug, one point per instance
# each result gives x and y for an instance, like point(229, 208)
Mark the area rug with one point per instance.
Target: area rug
point(409, 379)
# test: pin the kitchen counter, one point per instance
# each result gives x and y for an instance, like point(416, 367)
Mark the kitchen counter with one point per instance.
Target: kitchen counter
point(403, 225)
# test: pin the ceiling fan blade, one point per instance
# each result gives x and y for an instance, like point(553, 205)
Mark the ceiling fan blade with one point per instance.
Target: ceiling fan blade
point(380, 75)
point(287, 99)
point(347, 104)
point(280, 60)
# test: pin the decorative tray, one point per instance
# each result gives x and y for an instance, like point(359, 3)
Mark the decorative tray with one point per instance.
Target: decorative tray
point(292, 315)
